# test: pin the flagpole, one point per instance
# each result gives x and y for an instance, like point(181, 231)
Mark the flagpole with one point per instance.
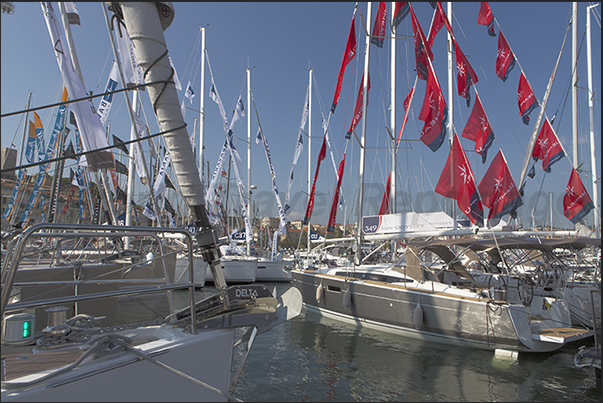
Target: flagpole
point(363, 138)
point(590, 94)
point(310, 146)
point(249, 235)
point(392, 193)
point(201, 139)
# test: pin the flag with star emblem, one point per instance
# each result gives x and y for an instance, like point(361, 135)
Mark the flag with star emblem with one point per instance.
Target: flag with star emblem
point(465, 76)
point(434, 113)
point(525, 99)
point(576, 201)
point(457, 182)
point(478, 129)
point(505, 59)
point(498, 191)
point(485, 17)
point(547, 147)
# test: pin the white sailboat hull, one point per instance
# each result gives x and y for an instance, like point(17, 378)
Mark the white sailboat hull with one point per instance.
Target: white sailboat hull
point(274, 270)
point(235, 270)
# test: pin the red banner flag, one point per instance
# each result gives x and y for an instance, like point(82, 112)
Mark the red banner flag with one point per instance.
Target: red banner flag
point(401, 10)
point(465, 76)
point(333, 213)
point(434, 113)
point(348, 55)
point(378, 34)
point(547, 147)
point(576, 201)
point(321, 156)
point(498, 191)
point(525, 99)
point(358, 107)
point(478, 129)
point(485, 17)
point(457, 182)
point(422, 51)
point(436, 26)
point(384, 209)
point(505, 59)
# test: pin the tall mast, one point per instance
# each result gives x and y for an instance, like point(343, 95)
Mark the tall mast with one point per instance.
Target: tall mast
point(201, 140)
point(593, 161)
point(392, 173)
point(450, 98)
point(574, 82)
point(248, 236)
point(309, 147)
point(362, 140)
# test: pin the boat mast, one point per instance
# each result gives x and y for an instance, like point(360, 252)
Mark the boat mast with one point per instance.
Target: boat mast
point(309, 148)
point(392, 173)
point(574, 83)
point(250, 235)
point(593, 161)
point(363, 138)
point(201, 140)
point(450, 99)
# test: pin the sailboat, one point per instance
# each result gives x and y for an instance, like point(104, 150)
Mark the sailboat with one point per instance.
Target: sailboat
point(438, 304)
point(153, 344)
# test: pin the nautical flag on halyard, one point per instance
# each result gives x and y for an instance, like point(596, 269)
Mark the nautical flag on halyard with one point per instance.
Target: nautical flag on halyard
point(213, 94)
point(176, 80)
point(93, 134)
point(105, 103)
point(505, 59)
point(42, 208)
point(321, 156)
point(434, 113)
point(333, 213)
point(436, 26)
point(299, 146)
point(358, 107)
point(384, 209)
point(131, 70)
point(576, 201)
point(39, 137)
point(378, 34)
point(422, 51)
point(498, 191)
point(274, 245)
point(30, 148)
point(189, 93)
point(171, 213)
point(485, 17)
point(525, 99)
point(10, 206)
point(149, 212)
point(465, 75)
point(73, 17)
point(348, 55)
point(547, 147)
point(478, 129)
point(120, 144)
point(401, 10)
point(159, 185)
point(314, 236)
point(457, 182)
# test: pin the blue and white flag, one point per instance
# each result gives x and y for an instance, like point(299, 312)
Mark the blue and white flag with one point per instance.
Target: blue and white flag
point(274, 245)
point(213, 94)
point(10, 206)
point(105, 103)
point(121, 219)
point(282, 229)
point(159, 185)
point(131, 70)
point(189, 93)
point(149, 212)
point(30, 147)
point(42, 207)
point(299, 146)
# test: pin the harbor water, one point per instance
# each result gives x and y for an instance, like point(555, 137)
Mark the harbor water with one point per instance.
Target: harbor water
point(312, 358)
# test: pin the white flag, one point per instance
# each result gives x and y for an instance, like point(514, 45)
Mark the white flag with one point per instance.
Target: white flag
point(176, 81)
point(159, 185)
point(105, 103)
point(73, 17)
point(189, 93)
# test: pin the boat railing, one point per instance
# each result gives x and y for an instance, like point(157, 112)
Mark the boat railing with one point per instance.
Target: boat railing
point(128, 287)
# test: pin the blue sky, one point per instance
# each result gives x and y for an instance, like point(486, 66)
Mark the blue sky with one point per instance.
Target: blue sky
point(281, 41)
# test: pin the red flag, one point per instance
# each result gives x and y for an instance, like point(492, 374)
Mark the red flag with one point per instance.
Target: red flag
point(525, 99)
point(333, 213)
point(485, 17)
point(436, 25)
point(498, 191)
point(434, 113)
point(478, 129)
point(465, 76)
point(576, 201)
point(321, 156)
point(401, 10)
point(384, 209)
point(378, 34)
point(457, 182)
point(422, 51)
point(358, 107)
point(348, 55)
point(505, 59)
point(547, 147)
